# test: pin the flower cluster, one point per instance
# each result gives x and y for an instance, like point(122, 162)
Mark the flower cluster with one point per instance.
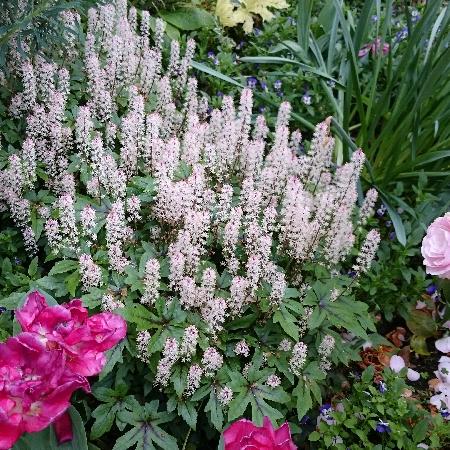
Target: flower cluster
point(195, 222)
point(42, 366)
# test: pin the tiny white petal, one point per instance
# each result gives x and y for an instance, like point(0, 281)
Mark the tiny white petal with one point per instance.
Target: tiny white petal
point(412, 375)
point(396, 363)
point(443, 345)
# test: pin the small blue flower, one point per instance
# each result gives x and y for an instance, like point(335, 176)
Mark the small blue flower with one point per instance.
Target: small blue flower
point(280, 94)
point(381, 210)
point(219, 94)
point(240, 45)
point(388, 223)
point(351, 273)
point(325, 408)
point(277, 85)
point(2, 309)
point(291, 21)
point(306, 99)
point(216, 61)
point(392, 235)
point(17, 260)
point(252, 82)
point(383, 427)
point(382, 387)
point(415, 16)
point(257, 31)
point(431, 289)
point(445, 414)
point(211, 54)
point(401, 35)
point(263, 85)
point(262, 109)
point(331, 83)
point(374, 18)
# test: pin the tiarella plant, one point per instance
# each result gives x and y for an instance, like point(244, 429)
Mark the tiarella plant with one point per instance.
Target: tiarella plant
point(232, 254)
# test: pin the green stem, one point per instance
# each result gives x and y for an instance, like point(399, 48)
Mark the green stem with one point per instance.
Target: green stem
point(186, 439)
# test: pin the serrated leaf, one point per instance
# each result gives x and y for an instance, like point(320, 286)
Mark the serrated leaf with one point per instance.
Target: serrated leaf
point(287, 322)
point(66, 265)
point(188, 413)
point(367, 375)
point(143, 435)
point(33, 267)
point(13, 300)
point(113, 356)
point(238, 405)
point(215, 410)
point(104, 418)
point(304, 400)
point(72, 282)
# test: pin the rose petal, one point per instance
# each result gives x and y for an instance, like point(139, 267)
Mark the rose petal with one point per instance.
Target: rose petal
point(63, 428)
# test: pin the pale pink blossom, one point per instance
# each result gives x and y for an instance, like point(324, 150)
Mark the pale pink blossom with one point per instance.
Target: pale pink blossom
point(436, 247)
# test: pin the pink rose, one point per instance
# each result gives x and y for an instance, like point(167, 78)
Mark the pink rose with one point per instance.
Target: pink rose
point(244, 435)
point(84, 339)
point(436, 247)
point(35, 387)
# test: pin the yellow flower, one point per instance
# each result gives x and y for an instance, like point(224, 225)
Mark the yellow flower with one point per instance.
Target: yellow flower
point(233, 12)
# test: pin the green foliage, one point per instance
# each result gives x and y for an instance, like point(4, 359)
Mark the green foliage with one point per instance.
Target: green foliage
point(353, 425)
point(397, 279)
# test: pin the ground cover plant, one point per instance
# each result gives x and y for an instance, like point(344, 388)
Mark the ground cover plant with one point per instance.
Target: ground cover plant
point(241, 254)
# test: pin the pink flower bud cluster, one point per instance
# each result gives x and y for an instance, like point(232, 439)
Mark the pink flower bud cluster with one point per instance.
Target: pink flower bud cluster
point(91, 274)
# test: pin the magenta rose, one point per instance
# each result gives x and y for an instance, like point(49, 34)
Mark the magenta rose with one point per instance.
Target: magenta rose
point(436, 247)
point(244, 435)
point(83, 339)
point(35, 387)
